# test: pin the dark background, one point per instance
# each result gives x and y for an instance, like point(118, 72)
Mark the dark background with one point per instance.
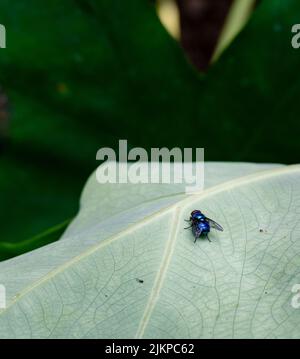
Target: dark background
point(78, 75)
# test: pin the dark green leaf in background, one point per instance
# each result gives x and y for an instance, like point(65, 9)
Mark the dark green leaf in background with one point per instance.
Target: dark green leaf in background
point(81, 75)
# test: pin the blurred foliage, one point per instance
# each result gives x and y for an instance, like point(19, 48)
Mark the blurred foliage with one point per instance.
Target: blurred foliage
point(201, 23)
point(83, 74)
point(12, 249)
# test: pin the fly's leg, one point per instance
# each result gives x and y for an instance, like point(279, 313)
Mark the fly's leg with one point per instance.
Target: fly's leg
point(191, 224)
point(208, 238)
point(195, 239)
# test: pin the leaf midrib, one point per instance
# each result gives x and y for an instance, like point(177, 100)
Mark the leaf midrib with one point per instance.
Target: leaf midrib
point(209, 192)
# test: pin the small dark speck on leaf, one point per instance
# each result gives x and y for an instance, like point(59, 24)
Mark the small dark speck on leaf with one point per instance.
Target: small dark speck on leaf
point(105, 295)
point(263, 230)
point(139, 280)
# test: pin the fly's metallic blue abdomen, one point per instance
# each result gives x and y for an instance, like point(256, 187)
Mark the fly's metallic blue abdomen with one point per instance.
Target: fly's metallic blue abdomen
point(201, 228)
point(201, 224)
point(204, 226)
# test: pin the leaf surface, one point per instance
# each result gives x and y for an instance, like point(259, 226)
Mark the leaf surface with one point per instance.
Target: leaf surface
point(136, 272)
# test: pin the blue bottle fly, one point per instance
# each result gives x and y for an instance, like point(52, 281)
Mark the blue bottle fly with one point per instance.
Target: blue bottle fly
point(201, 224)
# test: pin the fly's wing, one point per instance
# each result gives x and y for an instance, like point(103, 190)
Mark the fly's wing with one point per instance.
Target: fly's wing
point(214, 224)
point(196, 231)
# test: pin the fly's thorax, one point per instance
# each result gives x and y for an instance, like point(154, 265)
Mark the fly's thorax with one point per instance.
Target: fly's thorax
point(197, 216)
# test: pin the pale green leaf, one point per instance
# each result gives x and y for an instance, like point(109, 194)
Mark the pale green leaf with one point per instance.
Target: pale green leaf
point(126, 267)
